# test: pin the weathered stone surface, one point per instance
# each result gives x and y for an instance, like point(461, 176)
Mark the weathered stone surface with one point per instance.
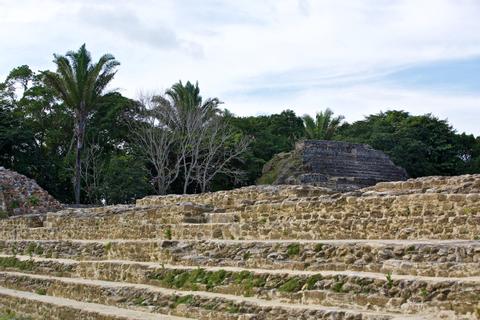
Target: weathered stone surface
point(424, 258)
point(20, 195)
point(337, 165)
point(262, 252)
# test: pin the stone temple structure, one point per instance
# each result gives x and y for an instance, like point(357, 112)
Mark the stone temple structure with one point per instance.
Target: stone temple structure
point(394, 251)
point(337, 165)
point(21, 195)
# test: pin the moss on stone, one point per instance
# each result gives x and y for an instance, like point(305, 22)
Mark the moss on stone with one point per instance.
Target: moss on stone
point(293, 249)
point(168, 233)
point(15, 263)
point(41, 291)
point(3, 215)
point(312, 280)
point(178, 300)
point(10, 315)
point(189, 279)
point(294, 284)
point(281, 168)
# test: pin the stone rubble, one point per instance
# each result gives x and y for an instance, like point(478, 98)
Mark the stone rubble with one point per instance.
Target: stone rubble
point(20, 195)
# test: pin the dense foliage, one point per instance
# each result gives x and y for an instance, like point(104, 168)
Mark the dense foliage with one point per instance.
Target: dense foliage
point(37, 138)
point(423, 145)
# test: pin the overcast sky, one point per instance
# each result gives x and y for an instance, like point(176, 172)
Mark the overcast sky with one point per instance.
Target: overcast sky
point(260, 57)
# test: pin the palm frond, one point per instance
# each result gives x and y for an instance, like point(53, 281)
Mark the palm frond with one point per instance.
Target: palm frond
point(323, 127)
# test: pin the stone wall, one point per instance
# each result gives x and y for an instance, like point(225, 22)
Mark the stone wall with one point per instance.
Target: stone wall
point(337, 165)
point(434, 208)
point(20, 195)
point(397, 250)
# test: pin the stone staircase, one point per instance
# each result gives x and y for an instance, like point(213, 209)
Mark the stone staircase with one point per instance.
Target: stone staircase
point(398, 250)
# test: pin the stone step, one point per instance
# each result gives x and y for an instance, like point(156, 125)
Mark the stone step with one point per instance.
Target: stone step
point(432, 208)
point(445, 258)
point(458, 184)
point(195, 304)
point(238, 197)
point(401, 227)
point(40, 306)
point(361, 290)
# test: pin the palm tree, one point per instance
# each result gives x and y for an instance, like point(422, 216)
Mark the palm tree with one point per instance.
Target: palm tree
point(185, 104)
point(80, 83)
point(323, 127)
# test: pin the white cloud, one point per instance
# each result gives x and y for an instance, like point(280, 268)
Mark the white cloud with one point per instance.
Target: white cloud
point(321, 49)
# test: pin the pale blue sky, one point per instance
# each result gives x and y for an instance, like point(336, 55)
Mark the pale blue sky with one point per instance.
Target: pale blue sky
point(356, 57)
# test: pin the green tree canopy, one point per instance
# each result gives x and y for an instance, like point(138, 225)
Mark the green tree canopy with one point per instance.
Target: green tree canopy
point(271, 134)
point(424, 145)
point(80, 83)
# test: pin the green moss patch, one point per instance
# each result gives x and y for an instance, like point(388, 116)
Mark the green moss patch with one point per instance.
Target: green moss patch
point(15, 263)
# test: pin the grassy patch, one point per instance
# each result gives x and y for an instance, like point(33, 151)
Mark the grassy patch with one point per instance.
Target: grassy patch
point(33, 201)
point(246, 256)
point(10, 315)
point(139, 301)
point(389, 280)
point(338, 286)
point(293, 249)
point(182, 300)
point(292, 285)
point(3, 215)
point(107, 246)
point(281, 166)
point(15, 263)
point(168, 233)
point(233, 308)
point(312, 280)
point(30, 249)
point(14, 204)
point(34, 249)
point(189, 279)
point(424, 292)
point(197, 279)
point(41, 291)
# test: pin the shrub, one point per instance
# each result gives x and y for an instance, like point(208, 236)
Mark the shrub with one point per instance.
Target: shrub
point(33, 200)
point(312, 280)
point(293, 249)
point(168, 233)
point(292, 285)
point(41, 291)
point(389, 280)
point(15, 263)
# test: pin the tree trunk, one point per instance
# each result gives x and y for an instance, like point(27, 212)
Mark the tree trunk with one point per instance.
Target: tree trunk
point(80, 132)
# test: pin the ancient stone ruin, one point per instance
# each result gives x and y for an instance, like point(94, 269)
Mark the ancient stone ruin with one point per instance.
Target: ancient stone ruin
point(336, 165)
point(397, 250)
point(21, 195)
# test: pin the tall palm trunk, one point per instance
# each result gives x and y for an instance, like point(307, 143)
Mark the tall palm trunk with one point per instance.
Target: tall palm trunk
point(80, 133)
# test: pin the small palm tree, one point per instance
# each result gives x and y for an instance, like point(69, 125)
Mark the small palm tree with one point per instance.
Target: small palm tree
point(323, 127)
point(80, 83)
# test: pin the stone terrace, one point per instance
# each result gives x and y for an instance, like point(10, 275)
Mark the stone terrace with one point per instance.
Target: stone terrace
point(398, 250)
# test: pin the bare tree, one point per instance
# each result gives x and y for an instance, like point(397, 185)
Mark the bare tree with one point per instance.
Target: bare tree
point(219, 150)
point(157, 142)
point(187, 138)
point(193, 135)
point(91, 172)
point(185, 112)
